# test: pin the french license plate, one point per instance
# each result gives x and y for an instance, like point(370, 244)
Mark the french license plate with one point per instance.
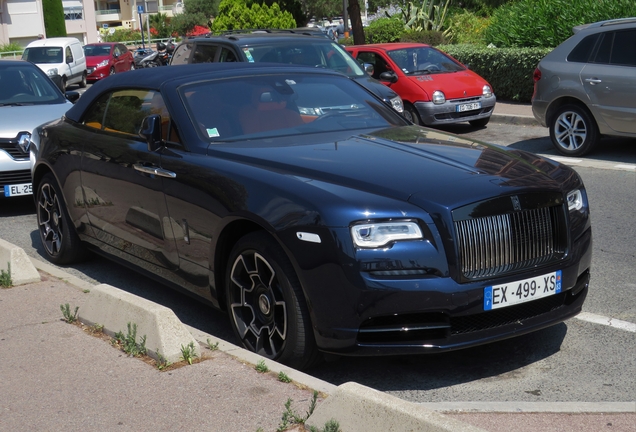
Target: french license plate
point(18, 190)
point(468, 107)
point(499, 296)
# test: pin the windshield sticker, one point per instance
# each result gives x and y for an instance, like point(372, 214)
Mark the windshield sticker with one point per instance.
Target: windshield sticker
point(248, 54)
point(213, 133)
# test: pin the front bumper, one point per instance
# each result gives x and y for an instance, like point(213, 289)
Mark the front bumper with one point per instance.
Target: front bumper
point(446, 113)
point(95, 74)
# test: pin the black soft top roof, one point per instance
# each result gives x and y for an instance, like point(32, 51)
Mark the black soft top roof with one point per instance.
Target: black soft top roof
point(155, 78)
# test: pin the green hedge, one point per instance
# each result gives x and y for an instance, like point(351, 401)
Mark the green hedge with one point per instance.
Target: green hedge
point(508, 70)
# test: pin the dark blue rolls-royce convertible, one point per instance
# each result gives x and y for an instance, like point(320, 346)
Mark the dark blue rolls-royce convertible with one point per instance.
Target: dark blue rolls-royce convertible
point(310, 211)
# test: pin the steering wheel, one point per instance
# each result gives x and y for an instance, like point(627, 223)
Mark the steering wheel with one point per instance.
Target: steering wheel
point(431, 67)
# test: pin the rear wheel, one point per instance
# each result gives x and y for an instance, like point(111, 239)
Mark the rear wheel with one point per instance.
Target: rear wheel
point(266, 304)
point(411, 114)
point(59, 238)
point(573, 131)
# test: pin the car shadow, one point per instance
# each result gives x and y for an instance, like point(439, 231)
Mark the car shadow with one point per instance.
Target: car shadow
point(18, 206)
point(499, 360)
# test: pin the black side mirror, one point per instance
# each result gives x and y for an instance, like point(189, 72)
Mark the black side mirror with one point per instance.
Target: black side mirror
point(72, 96)
point(389, 76)
point(151, 132)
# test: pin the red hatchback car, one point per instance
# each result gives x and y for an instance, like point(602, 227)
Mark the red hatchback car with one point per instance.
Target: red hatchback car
point(436, 88)
point(108, 58)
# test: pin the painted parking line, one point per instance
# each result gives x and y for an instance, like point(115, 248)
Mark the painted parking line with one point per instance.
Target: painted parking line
point(603, 320)
point(591, 163)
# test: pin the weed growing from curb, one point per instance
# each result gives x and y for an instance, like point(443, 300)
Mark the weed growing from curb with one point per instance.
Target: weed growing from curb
point(290, 418)
point(212, 346)
point(330, 426)
point(161, 361)
point(261, 367)
point(187, 353)
point(129, 344)
point(95, 329)
point(282, 376)
point(68, 316)
point(5, 277)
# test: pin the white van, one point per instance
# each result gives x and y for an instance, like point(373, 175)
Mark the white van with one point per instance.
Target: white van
point(63, 56)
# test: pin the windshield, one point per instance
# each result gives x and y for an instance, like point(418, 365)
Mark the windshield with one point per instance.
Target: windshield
point(96, 50)
point(424, 60)
point(25, 84)
point(43, 55)
point(317, 53)
point(252, 107)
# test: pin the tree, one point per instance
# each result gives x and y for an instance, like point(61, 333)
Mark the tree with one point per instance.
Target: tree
point(292, 6)
point(161, 24)
point(356, 22)
point(235, 15)
point(54, 23)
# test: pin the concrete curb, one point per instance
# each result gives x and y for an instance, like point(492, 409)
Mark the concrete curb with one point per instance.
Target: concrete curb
point(16, 262)
point(532, 407)
point(359, 408)
point(514, 119)
point(115, 309)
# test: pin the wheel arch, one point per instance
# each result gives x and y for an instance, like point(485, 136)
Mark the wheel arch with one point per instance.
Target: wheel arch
point(566, 100)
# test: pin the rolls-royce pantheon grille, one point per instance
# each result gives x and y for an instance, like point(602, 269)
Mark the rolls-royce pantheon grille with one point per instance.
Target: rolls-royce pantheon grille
point(530, 234)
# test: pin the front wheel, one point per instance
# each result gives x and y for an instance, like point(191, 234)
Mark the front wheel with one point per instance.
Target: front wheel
point(82, 83)
point(112, 70)
point(411, 114)
point(265, 302)
point(573, 131)
point(61, 243)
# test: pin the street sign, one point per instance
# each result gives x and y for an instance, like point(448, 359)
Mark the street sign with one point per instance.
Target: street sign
point(140, 8)
point(104, 26)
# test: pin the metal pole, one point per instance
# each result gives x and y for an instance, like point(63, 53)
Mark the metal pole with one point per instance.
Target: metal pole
point(147, 21)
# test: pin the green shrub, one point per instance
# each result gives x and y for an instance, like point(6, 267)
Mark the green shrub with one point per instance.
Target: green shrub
point(508, 70)
point(547, 23)
point(124, 35)
point(468, 28)
point(383, 30)
point(10, 47)
point(427, 37)
point(235, 15)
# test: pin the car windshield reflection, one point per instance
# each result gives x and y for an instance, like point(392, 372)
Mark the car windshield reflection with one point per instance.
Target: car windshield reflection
point(24, 85)
point(421, 61)
point(266, 106)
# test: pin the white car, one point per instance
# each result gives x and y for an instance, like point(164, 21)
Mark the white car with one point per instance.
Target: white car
point(28, 98)
point(63, 56)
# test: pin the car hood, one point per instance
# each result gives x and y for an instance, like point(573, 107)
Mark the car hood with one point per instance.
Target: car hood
point(424, 166)
point(17, 119)
point(376, 87)
point(93, 61)
point(455, 85)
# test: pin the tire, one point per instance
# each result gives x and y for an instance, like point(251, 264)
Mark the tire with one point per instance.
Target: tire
point(59, 238)
point(82, 83)
point(63, 84)
point(573, 131)
point(479, 123)
point(132, 66)
point(266, 304)
point(411, 114)
point(111, 71)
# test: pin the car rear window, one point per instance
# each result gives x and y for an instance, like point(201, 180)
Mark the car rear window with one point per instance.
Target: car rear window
point(581, 53)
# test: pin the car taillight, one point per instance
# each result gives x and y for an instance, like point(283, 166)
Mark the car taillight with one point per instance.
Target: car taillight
point(536, 76)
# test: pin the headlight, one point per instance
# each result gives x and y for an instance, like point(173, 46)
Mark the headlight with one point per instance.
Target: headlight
point(397, 104)
point(374, 235)
point(51, 72)
point(576, 200)
point(102, 63)
point(438, 97)
point(487, 91)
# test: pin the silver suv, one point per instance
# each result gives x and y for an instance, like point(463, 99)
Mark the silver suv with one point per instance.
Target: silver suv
point(586, 87)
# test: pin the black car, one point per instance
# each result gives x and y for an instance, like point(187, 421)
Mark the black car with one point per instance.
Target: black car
point(311, 212)
point(281, 46)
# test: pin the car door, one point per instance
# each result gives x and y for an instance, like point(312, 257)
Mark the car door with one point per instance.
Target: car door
point(122, 181)
point(610, 80)
point(116, 58)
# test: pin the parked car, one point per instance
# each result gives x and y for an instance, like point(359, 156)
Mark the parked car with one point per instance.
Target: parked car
point(281, 46)
point(28, 98)
point(62, 56)
point(314, 214)
point(436, 88)
point(107, 58)
point(586, 87)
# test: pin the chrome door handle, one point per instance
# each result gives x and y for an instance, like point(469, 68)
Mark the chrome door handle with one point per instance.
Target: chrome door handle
point(593, 81)
point(154, 171)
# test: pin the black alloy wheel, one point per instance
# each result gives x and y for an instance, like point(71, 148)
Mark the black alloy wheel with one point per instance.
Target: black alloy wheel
point(573, 131)
point(266, 305)
point(61, 243)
